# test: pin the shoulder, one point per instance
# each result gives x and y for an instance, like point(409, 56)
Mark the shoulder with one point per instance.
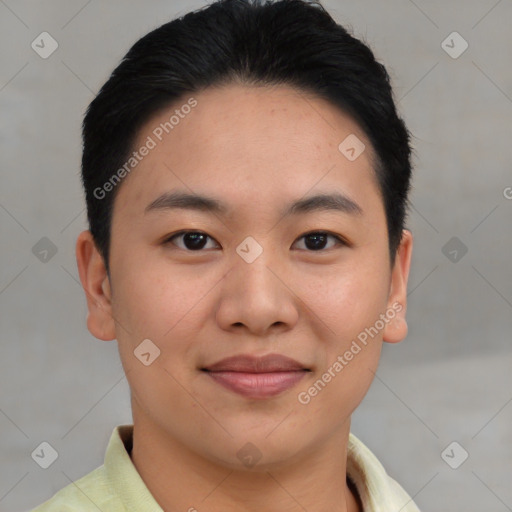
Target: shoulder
point(89, 493)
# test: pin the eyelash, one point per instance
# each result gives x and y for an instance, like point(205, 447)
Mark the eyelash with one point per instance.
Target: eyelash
point(339, 240)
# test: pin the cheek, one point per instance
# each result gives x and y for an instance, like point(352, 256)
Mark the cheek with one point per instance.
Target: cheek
point(170, 309)
point(346, 299)
point(348, 350)
point(346, 305)
point(156, 301)
point(153, 304)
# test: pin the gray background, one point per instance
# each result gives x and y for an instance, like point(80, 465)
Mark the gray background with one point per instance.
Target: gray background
point(450, 380)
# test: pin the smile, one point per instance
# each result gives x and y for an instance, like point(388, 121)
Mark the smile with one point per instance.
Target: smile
point(257, 377)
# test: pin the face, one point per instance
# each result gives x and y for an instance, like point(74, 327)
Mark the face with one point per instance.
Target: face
point(251, 278)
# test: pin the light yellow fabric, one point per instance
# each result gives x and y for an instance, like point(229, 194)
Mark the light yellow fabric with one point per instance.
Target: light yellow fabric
point(116, 486)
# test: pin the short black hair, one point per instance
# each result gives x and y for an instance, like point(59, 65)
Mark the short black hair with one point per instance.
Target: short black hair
point(253, 42)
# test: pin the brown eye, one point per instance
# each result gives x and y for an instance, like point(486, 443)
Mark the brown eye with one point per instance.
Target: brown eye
point(317, 240)
point(191, 240)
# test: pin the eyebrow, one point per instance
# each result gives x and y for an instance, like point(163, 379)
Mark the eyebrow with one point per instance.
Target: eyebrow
point(319, 202)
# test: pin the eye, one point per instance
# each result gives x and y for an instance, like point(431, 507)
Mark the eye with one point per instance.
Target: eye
point(193, 240)
point(196, 240)
point(317, 240)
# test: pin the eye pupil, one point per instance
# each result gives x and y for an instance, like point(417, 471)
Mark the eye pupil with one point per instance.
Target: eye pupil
point(198, 240)
point(319, 241)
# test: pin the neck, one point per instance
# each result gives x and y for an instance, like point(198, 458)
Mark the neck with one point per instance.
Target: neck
point(181, 479)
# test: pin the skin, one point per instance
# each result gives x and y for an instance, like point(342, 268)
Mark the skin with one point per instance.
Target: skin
point(257, 149)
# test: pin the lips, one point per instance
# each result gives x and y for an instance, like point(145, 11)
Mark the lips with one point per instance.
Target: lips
point(250, 364)
point(257, 377)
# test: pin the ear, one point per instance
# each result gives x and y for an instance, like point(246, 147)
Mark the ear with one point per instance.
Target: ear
point(96, 284)
point(396, 329)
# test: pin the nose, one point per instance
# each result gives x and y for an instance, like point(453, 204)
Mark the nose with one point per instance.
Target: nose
point(257, 297)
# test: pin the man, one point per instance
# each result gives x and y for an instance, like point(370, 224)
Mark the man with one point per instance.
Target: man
point(246, 177)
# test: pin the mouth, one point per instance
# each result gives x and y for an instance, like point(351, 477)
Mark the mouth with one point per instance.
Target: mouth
point(257, 377)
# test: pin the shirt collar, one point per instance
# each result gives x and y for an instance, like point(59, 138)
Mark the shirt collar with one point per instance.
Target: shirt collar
point(369, 477)
point(123, 476)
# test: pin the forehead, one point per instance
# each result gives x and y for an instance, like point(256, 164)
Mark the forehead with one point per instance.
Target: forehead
point(238, 142)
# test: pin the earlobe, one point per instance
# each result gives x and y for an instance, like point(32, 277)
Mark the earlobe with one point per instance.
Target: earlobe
point(396, 329)
point(96, 284)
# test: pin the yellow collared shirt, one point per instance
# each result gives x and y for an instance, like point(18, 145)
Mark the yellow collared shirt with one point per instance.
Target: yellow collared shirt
point(116, 486)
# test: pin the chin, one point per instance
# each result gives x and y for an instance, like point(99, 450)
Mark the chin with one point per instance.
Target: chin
point(257, 451)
